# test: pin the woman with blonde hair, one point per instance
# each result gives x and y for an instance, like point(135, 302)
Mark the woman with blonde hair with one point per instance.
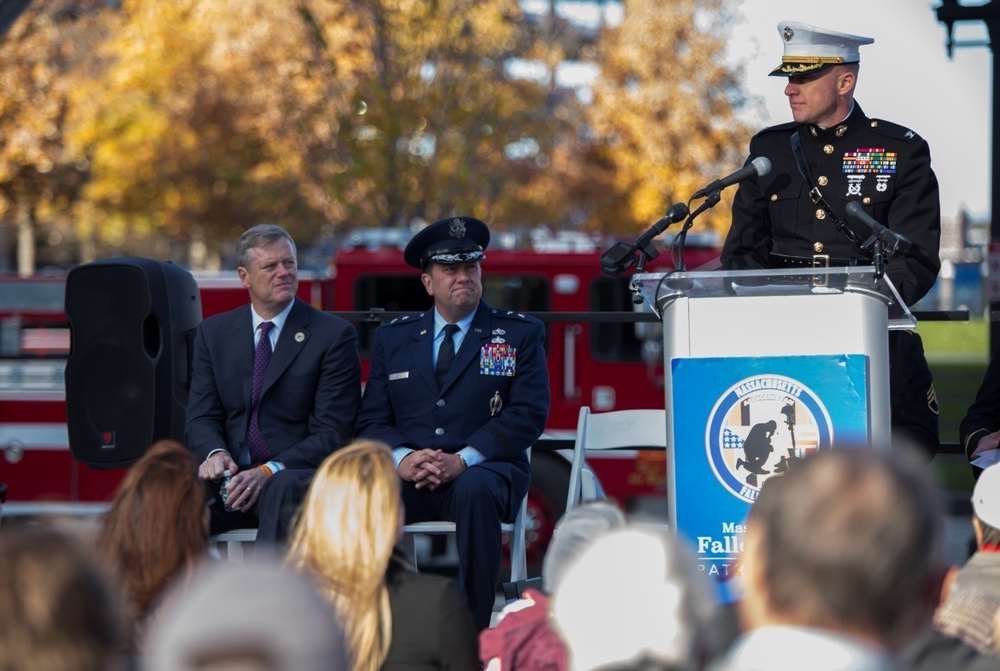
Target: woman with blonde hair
point(344, 539)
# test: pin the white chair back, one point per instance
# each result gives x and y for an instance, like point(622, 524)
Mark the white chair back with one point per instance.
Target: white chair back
point(612, 430)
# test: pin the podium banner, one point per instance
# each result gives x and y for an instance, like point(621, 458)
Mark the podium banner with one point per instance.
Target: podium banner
point(738, 421)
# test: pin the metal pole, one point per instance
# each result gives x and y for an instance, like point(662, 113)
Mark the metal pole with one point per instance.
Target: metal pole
point(949, 13)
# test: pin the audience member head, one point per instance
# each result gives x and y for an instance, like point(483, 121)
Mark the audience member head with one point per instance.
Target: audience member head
point(156, 528)
point(573, 533)
point(246, 617)
point(848, 541)
point(344, 538)
point(59, 610)
point(634, 599)
point(986, 508)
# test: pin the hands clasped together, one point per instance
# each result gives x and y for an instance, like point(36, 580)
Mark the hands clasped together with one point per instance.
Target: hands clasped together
point(430, 468)
point(244, 487)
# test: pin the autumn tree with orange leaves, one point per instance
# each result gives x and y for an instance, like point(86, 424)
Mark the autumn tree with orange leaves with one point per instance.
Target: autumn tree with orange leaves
point(665, 116)
point(166, 128)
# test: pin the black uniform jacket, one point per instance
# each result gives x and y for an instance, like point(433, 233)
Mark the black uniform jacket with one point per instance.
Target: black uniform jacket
point(884, 166)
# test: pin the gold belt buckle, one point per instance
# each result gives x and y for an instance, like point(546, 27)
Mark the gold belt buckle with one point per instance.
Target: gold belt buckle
point(821, 261)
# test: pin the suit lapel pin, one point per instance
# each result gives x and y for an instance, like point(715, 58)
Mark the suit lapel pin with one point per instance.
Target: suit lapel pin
point(424, 332)
point(300, 336)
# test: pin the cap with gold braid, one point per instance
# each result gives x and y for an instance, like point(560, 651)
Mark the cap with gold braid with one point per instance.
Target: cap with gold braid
point(810, 49)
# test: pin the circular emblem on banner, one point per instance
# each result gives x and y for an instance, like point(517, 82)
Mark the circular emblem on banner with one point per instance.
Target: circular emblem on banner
point(760, 427)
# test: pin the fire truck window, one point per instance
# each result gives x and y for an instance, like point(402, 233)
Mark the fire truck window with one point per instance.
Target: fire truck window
point(524, 294)
point(615, 341)
point(32, 296)
point(405, 293)
point(392, 293)
point(32, 320)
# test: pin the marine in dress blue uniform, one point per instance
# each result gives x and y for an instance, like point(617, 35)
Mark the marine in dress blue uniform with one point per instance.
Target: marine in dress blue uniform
point(460, 444)
point(881, 165)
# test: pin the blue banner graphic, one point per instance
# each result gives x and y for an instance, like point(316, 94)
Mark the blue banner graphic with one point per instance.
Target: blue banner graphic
point(738, 421)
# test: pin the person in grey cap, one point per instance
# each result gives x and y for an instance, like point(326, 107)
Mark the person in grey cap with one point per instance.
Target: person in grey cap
point(829, 156)
point(460, 392)
point(246, 617)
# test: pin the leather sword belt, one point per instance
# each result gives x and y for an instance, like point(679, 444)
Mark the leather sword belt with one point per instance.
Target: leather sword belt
point(814, 261)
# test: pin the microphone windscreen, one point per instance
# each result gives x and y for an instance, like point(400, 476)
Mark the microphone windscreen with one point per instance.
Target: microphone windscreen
point(762, 164)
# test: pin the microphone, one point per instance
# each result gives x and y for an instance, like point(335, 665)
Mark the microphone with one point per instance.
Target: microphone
point(622, 255)
point(895, 244)
point(758, 167)
point(618, 259)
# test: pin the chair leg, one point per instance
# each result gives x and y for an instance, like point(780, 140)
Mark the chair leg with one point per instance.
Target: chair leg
point(409, 548)
point(518, 551)
point(518, 559)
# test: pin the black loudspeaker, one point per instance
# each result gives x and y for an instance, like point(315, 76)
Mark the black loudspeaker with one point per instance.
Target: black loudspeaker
point(132, 324)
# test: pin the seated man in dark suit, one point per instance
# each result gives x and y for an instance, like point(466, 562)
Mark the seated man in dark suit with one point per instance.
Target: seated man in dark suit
point(275, 388)
point(460, 392)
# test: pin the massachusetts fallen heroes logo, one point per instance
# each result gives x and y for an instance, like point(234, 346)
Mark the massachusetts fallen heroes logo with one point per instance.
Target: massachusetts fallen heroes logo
point(759, 427)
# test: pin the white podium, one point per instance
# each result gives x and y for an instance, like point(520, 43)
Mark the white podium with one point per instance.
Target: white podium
point(761, 368)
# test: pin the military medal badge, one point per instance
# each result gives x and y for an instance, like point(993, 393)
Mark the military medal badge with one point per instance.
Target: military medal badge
point(498, 357)
point(496, 403)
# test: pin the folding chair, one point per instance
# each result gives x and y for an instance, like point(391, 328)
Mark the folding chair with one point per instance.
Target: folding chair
point(233, 541)
point(612, 430)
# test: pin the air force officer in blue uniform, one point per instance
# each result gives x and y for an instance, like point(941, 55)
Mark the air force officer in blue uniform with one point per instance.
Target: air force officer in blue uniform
point(461, 414)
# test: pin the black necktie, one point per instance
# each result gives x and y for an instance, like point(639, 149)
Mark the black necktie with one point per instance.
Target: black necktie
point(446, 354)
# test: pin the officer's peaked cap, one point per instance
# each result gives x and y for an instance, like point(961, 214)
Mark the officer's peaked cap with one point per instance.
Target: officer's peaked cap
point(452, 240)
point(809, 49)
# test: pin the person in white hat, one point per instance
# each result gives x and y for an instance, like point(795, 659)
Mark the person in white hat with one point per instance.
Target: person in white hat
point(796, 215)
point(635, 599)
point(972, 600)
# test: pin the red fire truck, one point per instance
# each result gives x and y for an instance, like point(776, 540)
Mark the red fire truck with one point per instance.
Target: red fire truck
point(606, 364)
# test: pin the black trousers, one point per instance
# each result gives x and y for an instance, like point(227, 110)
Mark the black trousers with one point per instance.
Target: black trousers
point(476, 501)
point(912, 398)
point(275, 510)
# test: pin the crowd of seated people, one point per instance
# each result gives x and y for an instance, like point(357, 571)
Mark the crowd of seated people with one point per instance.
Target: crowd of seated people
point(842, 569)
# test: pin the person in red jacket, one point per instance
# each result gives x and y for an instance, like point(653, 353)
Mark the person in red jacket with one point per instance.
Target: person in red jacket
point(523, 638)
